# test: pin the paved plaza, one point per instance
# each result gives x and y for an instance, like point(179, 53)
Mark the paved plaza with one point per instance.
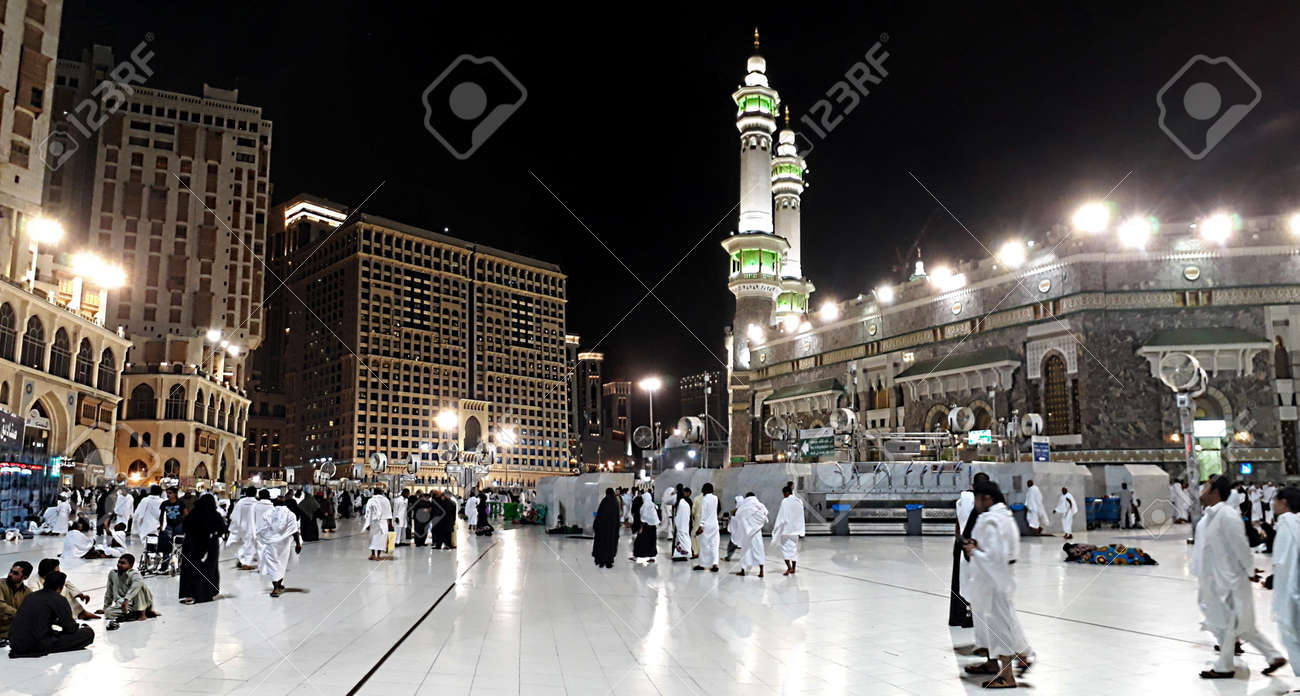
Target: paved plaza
point(523, 612)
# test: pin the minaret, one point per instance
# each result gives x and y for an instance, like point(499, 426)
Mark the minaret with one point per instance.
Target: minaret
point(756, 253)
point(788, 170)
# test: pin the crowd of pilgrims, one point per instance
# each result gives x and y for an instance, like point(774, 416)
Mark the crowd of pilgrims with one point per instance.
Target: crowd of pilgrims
point(40, 615)
point(1229, 524)
point(691, 522)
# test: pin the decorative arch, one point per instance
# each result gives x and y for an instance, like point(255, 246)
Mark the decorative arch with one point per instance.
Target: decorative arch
point(51, 406)
point(143, 405)
point(174, 408)
point(61, 355)
point(85, 369)
point(33, 353)
point(201, 471)
point(1056, 394)
point(138, 470)
point(198, 405)
point(935, 419)
point(106, 381)
point(8, 331)
point(984, 417)
point(172, 468)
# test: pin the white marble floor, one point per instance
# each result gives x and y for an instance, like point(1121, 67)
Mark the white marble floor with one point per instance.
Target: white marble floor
point(531, 614)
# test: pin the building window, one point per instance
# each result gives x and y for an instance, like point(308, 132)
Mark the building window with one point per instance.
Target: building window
point(175, 407)
point(1056, 396)
point(107, 380)
point(61, 355)
point(8, 332)
point(85, 364)
point(142, 406)
point(34, 345)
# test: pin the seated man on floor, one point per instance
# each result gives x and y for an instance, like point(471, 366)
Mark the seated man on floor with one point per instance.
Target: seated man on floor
point(34, 633)
point(1110, 554)
point(74, 596)
point(127, 598)
point(13, 592)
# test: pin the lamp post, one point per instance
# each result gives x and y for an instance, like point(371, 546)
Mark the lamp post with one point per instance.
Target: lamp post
point(652, 385)
point(506, 437)
point(446, 421)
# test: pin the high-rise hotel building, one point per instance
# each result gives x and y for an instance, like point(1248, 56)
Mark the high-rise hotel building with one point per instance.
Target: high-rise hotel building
point(386, 325)
point(175, 188)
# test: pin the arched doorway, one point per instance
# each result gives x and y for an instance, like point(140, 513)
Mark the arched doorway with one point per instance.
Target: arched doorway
point(172, 468)
point(1209, 430)
point(473, 433)
point(36, 436)
point(221, 468)
point(137, 472)
point(201, 471)
point(89, 464)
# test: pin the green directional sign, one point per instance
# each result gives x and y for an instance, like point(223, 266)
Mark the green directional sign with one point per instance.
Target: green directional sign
point(817, 442)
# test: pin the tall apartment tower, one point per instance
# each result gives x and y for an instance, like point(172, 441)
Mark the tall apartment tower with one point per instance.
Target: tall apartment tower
point(618, 407)
point(175, 188)
point(590, 368)
point(29, 30)
point(384, 325)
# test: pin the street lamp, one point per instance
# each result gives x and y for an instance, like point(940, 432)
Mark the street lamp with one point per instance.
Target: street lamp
point(652, 385)
point(446, 420)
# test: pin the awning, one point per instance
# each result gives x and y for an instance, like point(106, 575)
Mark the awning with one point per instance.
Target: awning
point(821, 395)
point(1217, 348)
point(980, 370)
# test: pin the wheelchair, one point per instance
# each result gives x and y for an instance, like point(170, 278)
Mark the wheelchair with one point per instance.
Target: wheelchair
point(161, 556)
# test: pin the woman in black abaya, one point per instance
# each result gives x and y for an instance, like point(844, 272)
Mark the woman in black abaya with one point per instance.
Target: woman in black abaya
point(201, 552)
point(605, 546)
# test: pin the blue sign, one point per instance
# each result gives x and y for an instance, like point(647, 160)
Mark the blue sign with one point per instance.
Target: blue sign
point(1247, 468)
point(1042, 449)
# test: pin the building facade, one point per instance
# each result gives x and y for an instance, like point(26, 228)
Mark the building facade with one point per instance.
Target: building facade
point(387, 325)
point(1070, 324)
point(30, 29)
point(175, 188)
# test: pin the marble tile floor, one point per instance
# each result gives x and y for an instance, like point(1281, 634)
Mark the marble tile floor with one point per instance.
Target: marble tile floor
point(531, 614)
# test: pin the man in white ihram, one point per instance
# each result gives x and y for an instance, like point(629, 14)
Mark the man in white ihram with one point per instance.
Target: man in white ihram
point(243, 522)
point(1178, 499)
point(123, 507)
point(1034, 513)
point(379, 520)
point(682, 528)
point(1285, 581)
point(1066, 507)
point(56, 516)
point(707, 531)
point(992, 549)
point(789, 527)
point(747, 532)
point(147, 518)
point(399, 504)
point(277, 534)
point(1224, 565)
point(471, 513)
point(1270, 494)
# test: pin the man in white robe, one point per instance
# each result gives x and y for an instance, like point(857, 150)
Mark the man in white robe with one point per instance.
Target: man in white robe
point(1066, 507)
point(669, 506)
point(682, 527)
point(992, 549)
point(788, 528)
point(1225, 568)
point(1035, 515)
point(1256, 498)
point(1286, 572)
point(379, 520)
point(399, 516)
point(77, 544)
point(1178, 501)
point(147, 518)
point(1270, 493)
point(747, 532)
point(123, 508)
point(707, 533)
point(55, 518)
point(471, 512)
point(280, 541)
point(243, 522)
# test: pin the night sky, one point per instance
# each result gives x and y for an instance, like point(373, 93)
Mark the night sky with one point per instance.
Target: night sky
point(1010, 115)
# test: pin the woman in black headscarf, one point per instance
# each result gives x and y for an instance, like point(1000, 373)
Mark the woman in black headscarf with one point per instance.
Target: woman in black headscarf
point(307, 512)
point(201, 552)
point(605, 546)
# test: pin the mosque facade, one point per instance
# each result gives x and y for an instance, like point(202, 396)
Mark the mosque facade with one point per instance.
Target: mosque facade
point(1070, 324)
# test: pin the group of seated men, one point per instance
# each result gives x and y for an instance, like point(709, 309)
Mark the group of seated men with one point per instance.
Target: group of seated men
point(37, 622)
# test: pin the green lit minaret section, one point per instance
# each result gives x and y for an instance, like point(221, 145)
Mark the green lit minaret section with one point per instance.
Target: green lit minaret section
point(788, 170)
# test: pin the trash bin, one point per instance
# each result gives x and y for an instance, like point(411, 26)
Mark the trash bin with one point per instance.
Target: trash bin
point(914, 519)
point(1022, 519)
point(840, 523)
